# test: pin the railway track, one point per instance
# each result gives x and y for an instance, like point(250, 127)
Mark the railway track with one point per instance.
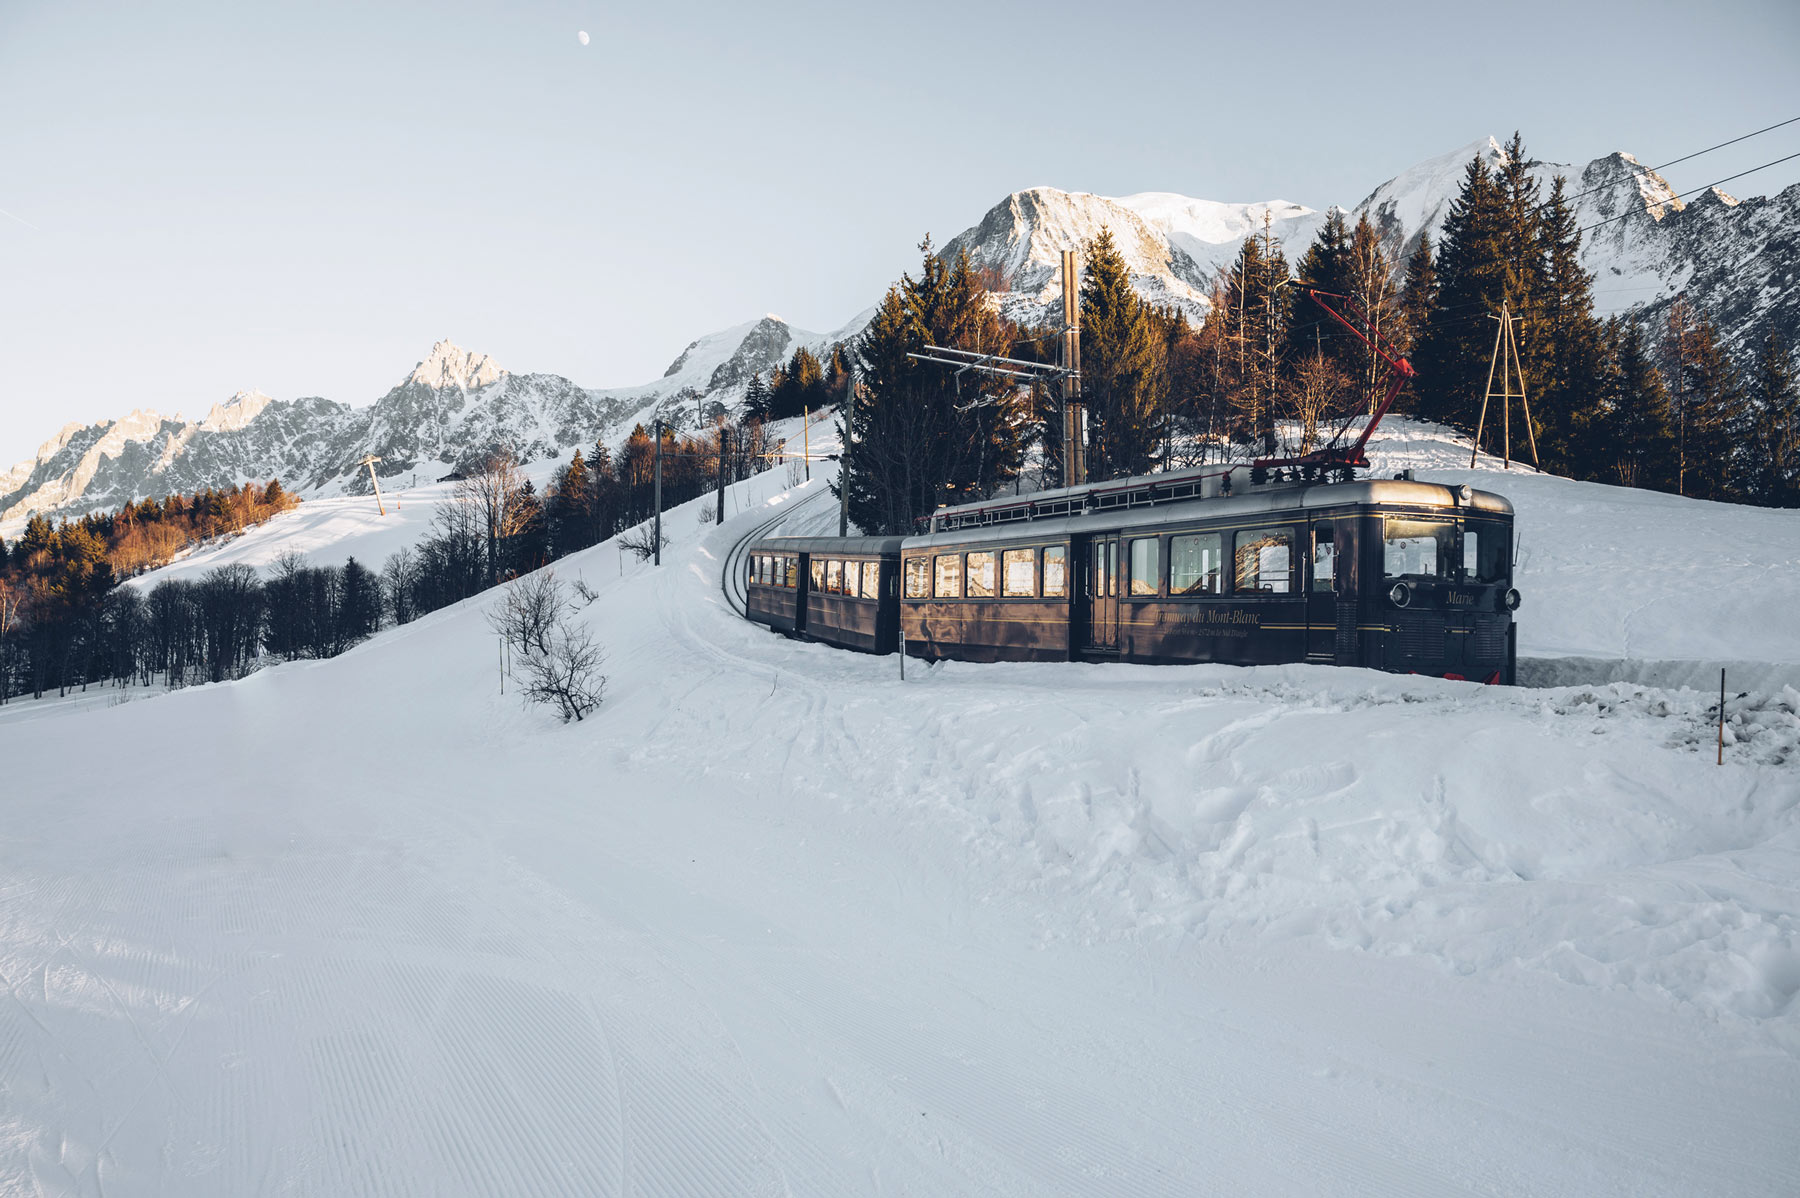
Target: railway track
point(733, 574)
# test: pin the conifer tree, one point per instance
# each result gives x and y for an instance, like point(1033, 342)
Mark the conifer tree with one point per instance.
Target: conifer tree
point(1454, 356)
point(1708, 404)
point(1638, 442)
point(1325, 266)
point(1775, 455)
point(1124, 380)
point(1569, 353)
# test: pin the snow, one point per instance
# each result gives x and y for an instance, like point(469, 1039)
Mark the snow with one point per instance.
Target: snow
point(775, 921)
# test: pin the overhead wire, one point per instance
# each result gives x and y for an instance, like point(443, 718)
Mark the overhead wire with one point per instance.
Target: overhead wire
point(1689, 157)
point(1693, 191)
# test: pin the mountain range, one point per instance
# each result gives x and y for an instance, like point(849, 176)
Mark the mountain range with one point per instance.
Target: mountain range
point(1739, 261)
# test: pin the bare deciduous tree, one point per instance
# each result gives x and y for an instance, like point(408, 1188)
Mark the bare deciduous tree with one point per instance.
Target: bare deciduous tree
point(528, 611)
point(568, 675)
point(492, 492)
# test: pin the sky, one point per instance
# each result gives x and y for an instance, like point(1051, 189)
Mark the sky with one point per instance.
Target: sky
point(202, 198)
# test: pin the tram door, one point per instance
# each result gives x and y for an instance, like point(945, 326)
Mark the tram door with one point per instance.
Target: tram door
point(1322, 594)
point(1101, 571)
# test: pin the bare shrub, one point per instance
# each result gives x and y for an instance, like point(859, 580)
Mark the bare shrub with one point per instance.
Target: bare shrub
point(641, 543)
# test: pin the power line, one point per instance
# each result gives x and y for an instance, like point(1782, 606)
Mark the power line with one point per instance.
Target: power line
point(1728, 178)
point(1688, 157)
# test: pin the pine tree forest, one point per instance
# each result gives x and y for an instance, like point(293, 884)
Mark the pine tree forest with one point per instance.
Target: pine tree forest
point(1268, 373)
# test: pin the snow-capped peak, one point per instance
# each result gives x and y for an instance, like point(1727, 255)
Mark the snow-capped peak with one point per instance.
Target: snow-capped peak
point(236, 412)
point(450, 365)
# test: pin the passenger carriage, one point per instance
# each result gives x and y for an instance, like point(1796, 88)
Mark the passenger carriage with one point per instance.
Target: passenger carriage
point(1223, 565)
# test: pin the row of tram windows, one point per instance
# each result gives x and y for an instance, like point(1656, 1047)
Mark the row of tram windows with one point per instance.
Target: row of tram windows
point(832, 576)
point(1251, 561)
point(990, 574)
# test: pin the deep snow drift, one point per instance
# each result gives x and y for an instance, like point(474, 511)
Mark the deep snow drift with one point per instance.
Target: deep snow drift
point(774, 921)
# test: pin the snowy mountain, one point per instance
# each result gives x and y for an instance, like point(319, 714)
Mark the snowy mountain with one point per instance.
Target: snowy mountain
point(1738, 260)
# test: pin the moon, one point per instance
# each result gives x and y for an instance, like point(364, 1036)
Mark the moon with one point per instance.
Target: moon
point(582, 37)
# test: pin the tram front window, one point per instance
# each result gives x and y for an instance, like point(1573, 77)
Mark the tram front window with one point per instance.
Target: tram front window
point(1485, 553)
point(1418, 548)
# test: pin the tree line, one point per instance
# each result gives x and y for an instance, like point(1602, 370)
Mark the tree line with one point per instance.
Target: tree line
point(67, 621)
point(1269, 373)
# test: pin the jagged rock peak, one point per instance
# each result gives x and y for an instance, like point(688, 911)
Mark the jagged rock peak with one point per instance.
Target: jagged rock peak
point(450, 365)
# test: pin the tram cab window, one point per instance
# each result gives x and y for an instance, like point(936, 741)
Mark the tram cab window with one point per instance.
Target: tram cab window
point(1056, 572)
point(1146, 566)
point(852, 576)
point(947, 582)
point(1018, 574)
point(1417, 548)
point(1194, 564)
point(1265, 561)
point(1485, 553)
point(1324, 572)
point(918, 578)
point(871, 580)
point(981, 575)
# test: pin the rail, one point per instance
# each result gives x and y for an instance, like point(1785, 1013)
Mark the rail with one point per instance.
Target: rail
point(733, 574)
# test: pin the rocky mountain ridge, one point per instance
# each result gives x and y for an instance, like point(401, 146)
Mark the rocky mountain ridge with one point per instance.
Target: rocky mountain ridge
point(1738, 260)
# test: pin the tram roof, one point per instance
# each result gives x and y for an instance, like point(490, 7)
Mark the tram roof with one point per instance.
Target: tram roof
point(1255, 502)
point(857, 546)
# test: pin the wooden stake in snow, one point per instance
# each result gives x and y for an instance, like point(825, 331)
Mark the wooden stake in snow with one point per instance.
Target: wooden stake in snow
point(369, 460)
point(1721, 715)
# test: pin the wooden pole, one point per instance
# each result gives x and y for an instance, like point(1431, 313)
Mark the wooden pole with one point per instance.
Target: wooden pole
point(721, 519)
point(1721, 715)
point(1524, 403)
point(1486, 393)
point(656, 530)
point(806, 439)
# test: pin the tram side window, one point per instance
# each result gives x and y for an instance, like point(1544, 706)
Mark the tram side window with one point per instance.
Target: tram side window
point(1417, 548)
point(1265, 561)
point(1324, 574)
point(817, 568)
point(947, 582)
point(1146, 566)
point(834, 577)
point(1485, 553)
point(1018, 574)
point(786, 571)
point(871, 580)
point(1195, 565)
point(1056, 572)
point(852, 576)
point(981, 575)
point(918, 578)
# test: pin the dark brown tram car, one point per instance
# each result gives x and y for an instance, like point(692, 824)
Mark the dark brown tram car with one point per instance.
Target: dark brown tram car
point(1396, 575)
point(841, 591)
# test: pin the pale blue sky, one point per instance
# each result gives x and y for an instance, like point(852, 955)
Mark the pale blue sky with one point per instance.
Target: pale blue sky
point(302, 197)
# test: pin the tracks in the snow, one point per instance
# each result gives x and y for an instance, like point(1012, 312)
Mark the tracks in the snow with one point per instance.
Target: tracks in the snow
point(733, 576)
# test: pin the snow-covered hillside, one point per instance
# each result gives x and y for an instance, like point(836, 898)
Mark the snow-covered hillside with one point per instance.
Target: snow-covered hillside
point(776, 921)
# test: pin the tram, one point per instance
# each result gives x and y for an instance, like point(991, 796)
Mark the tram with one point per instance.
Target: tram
point(1230, 564)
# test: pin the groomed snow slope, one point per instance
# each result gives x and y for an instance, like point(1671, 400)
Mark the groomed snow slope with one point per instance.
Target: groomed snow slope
point(774, 921)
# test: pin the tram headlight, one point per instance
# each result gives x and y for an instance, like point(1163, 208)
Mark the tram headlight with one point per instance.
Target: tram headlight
point(1401, 593)
point(1511, 599)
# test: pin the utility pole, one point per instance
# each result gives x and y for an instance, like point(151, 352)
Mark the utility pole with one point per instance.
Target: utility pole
point(1074, 415)
point(721, 518)
point(656, 532)
point(1506, 360)
point(369, 460)
point(806, 439)
point(844, 456)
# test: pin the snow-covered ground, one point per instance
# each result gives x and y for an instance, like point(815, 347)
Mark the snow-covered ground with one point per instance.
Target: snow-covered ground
point(776, 921)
